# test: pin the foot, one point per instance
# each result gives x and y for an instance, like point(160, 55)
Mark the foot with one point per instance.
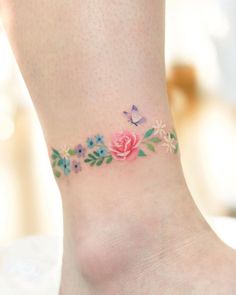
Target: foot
point(136, 230)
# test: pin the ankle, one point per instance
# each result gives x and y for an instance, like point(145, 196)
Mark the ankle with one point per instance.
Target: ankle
point(112, 243)
point(112, 246)
point(126, 222)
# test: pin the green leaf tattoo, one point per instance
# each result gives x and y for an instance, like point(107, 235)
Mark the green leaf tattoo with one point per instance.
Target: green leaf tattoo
point(57, 173)
point(96, 154)
point(71, 152)
point(150, 147)
point(141, 153)
point(176, 148)
point(92, 156)
point(99, 162)
point(109, 160)
point(54, 163)
point(149, 133)
point(56, 153)
point(155, 140)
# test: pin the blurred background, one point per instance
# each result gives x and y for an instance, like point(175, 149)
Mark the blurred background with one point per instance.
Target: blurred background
point(201, 66)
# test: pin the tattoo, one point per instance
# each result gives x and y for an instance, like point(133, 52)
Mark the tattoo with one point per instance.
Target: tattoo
point(134, 117)
point(123, 146)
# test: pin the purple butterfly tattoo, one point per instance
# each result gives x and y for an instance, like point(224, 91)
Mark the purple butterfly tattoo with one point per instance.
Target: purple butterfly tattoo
point(134, 117)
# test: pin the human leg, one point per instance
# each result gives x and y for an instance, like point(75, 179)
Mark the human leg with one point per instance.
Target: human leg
point(130, 227)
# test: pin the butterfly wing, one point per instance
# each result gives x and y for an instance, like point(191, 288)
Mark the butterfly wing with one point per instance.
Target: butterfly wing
point(136, 118)
point(127, 115)
point(134, 108)
point(142, 120)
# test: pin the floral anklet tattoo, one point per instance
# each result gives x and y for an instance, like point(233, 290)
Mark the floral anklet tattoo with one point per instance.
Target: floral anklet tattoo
point(123, 146)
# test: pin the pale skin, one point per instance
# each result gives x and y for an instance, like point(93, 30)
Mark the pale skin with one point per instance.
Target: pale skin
point(129, 228)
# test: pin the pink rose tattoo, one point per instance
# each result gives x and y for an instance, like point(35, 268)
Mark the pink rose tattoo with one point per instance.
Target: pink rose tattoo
point(124, 145)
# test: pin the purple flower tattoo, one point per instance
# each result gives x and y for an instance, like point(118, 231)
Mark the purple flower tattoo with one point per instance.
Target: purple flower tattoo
point(76, 167)
point(80, 150)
